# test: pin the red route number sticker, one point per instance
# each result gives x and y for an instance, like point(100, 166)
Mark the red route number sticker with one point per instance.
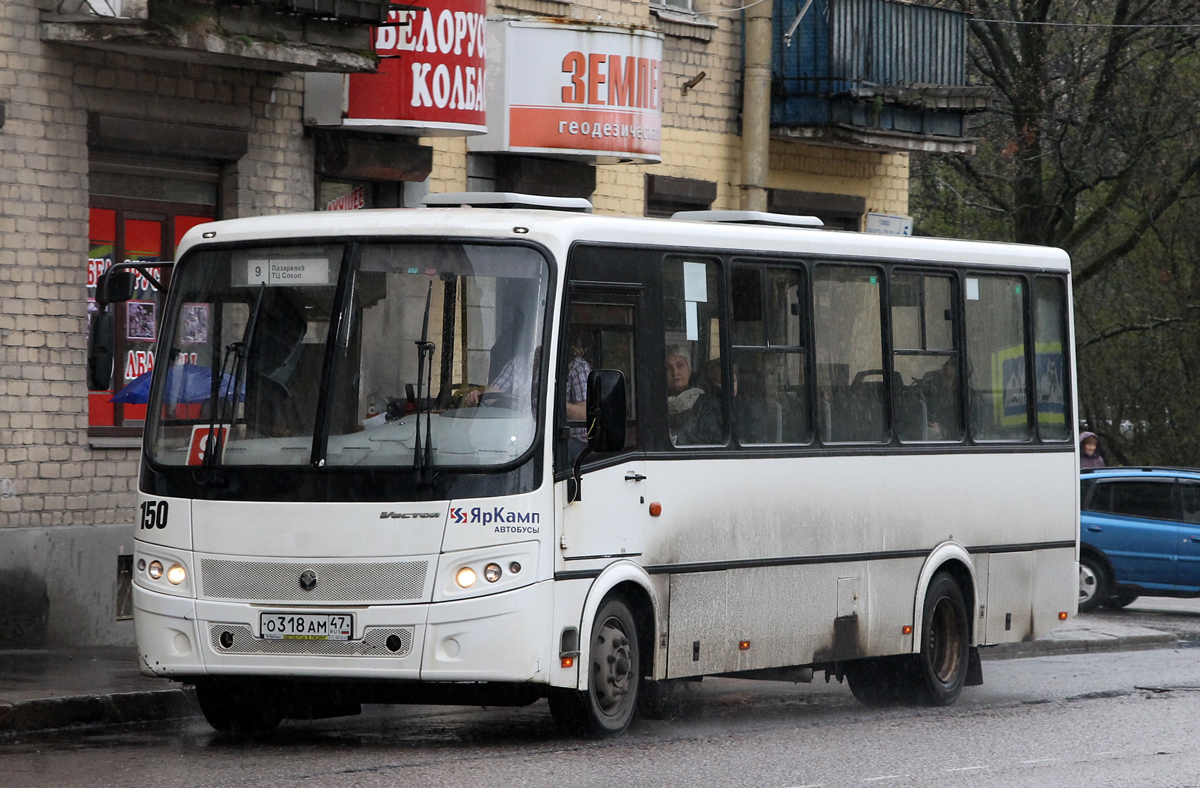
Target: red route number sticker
point(201, 442)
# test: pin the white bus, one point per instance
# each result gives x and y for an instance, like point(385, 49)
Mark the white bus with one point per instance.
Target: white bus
point(496, 454)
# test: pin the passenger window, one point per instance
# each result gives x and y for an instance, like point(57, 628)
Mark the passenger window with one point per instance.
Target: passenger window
point(926, 391)
point(1189, 498)
point(849, 354)
point(1050, 331)
point(1101, 498)
point(1149, 499)
point(692, 342)
point(600, 335)
point(770, 394)
point(1085, 492)
point(996, 380)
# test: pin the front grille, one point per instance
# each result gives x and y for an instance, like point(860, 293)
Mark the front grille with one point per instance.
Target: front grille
point(373, 644)
point(272, 581)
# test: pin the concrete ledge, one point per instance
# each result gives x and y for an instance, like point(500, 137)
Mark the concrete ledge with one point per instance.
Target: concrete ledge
point(111, 709)
point(1084, 637)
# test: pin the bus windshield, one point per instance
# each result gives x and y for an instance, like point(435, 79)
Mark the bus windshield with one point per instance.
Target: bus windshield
point(335, 355)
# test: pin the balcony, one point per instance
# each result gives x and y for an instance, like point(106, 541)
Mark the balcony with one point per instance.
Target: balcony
point(872, 74)
point(265, 35)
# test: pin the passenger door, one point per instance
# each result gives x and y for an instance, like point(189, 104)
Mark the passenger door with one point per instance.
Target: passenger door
point(1132, 521)
point(605, 515)
point(1188, 567)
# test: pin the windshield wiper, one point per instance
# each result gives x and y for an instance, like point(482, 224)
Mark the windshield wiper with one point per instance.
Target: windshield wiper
point(240, 353)
point(422, 460)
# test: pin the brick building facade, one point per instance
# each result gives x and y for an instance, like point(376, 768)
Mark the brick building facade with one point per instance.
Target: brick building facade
point(128, 126)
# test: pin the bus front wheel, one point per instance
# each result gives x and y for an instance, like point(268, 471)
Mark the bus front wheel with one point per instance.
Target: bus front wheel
point(606, 707)
point(941, 665)
point(240, 705)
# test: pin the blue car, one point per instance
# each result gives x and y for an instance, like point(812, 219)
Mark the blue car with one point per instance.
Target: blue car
point(1139, 534)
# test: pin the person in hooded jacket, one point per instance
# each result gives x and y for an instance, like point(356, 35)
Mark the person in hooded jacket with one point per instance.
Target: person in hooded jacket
point(1089, 451)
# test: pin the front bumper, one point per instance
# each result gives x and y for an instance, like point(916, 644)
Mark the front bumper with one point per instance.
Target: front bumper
point(504, 637)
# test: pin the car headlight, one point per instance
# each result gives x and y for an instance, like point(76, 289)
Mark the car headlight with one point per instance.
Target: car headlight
point(465, 577)
point(155, 570)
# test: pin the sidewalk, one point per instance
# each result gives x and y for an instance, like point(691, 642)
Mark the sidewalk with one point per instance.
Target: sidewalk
point(44, 690)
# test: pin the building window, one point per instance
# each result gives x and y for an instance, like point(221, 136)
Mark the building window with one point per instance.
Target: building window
point(138, 212)
point(369, 171)
point(686, 6)
point(666, 196)
point(837, 211)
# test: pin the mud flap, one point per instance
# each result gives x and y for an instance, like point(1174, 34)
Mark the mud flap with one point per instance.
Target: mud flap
point(974, 669)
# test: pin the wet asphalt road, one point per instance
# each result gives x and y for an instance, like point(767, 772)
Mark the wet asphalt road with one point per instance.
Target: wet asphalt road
point(1119, 719)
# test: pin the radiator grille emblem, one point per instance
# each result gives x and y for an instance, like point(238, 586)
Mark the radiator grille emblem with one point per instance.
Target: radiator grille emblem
point(308, 579)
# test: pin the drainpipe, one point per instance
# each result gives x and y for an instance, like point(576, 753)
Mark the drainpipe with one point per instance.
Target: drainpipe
point(756, 106)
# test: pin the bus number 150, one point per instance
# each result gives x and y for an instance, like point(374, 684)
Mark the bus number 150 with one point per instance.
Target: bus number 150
point(154, 514)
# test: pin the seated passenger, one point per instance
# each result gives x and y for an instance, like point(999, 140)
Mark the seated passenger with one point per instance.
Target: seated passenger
point(693, 415)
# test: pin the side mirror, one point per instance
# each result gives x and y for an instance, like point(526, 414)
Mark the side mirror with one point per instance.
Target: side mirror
point(606, 410)
point(100, 351)
point(115, 287)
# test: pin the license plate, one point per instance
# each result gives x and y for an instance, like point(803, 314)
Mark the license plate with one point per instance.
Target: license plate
point(306, 626)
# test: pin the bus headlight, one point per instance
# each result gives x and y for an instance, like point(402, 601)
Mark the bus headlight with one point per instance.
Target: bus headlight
point(155, 570)
point(176, 574)
point(492, 572)
point(465, 577)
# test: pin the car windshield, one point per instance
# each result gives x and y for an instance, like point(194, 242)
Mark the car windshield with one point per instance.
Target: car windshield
point(270, 355)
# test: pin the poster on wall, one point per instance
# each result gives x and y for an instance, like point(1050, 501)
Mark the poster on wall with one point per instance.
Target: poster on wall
point(589, 91)
point(139, 320)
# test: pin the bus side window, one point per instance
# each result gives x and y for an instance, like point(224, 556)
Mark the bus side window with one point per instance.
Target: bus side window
point(995, 314)
point(770, 396)
point(926, 395)
point(1050, 332)
point(691, 318)
point(849, 354)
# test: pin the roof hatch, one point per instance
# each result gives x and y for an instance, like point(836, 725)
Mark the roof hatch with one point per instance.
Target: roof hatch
point(749, 217)
point(507, 200)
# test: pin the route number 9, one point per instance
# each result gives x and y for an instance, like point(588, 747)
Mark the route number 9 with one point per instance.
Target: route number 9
point(154, 514)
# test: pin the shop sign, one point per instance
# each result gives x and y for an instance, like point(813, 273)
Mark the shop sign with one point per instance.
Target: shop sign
point(883, 224)
point(352, 200)
point(591, 91)
point(430, 80)
point(138, 362)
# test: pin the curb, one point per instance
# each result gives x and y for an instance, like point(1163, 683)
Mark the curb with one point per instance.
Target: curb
point(111, 709)
point(1093, 643)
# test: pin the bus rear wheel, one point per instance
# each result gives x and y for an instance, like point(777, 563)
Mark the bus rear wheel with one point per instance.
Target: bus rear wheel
point(941, 665)
point(607, 706)
point(240, 705)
